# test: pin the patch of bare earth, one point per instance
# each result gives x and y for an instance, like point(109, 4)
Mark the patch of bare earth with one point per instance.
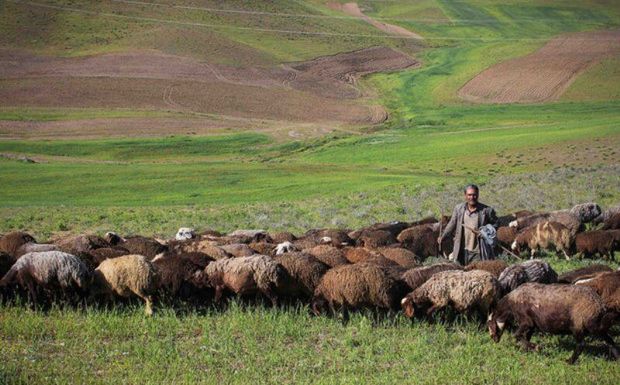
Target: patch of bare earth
point(354, 10)
point(545, 74)
point(319, 92)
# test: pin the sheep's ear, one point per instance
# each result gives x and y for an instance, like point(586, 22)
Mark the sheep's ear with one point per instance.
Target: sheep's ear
point(407, 305)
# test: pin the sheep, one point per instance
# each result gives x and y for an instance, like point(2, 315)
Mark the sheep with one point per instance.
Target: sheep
point(543, 235)
point(126, 276)
point(556, 309)
point(99, 255)
point(11, 242)
point(359, 254)
point(356, 286)
point(31, 247)
point(6, 261)
point(571, 222)
point(238, 249)
point(494, 266)
point(612, 223)
point(203, 246)
point(465, 291)
point(48, 270)
point(607, 285)
point(264, 248)
point(607, 214)
point(329, 255)
point(179, 277)
point(582, 273)
point(415, 277)
point(393, 228)
point(246, 275)
point(80, 244)
point(283, 237)
point(334, 237)
point(285, 247)
point(185, 233)
point(506, 236)
point(534, 270)
point(421, 240)
point(586, 212)
point(140, 245)
point(305, 272)
point(257, 235)
point(375, 238)
point(603, 242)
point(403, 257)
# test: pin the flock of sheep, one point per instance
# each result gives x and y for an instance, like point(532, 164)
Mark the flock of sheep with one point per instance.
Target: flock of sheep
point(336, 271)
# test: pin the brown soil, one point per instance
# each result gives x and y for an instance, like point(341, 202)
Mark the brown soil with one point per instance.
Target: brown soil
point(354, 10)
point(545, 74)
point(319, 91)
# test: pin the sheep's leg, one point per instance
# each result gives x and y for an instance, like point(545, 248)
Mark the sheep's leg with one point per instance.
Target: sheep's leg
point(332, 308)
point(578, 349)
point(566, 255)
point(270, 293)
point(524, 334)
point(345, 313)
point(431, 310)
point(613, 349)
point(219, 291)
point(149, 305)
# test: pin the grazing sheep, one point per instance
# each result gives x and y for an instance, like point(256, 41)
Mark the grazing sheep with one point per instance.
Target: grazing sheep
point(334, 237)
point(6, 261)
point(80, 244)
point(605, 215)
point(393, 228)
point(357, 286)
point(359, 254)
point(264, 248)
point(48, 270)
point(246, 275)
point(603, 242)
point(586, 212)
point(582, 273)
point(415, 277)
point(506, 235)
point(329, 255)
point(305, 271)
point(403, 257)
point(543, 235)
point(283, 237)
point(534, 270)
point(285, 247)
point(607, 286)
point(612, 223)
point(465, 291)
point(185, 233)
point(35, 248)
point(99, 255)
point(140, 245)
point(126, 276)
point(556, 309)
point(11, 242)
point(494, 266)
point(375, 238)
point(421, 240)
point(208, 233)
point(570, 221)
point(203, 246)
point(238, 249)
point(257, 235)
point(179, 277)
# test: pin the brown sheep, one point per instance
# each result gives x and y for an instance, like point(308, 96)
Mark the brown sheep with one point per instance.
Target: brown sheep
point(11, 242)
point(495, 266)
point(556, 309)
point(305, 271)
point(506, 236)
point(544, 235)
point(605, 215)
point(571, 222)
point(80, 245)
point(203, 246)
point(99, 255)
point(329, 255)
point(283, 237)
point(375, 238)
point(607, 286)
point(421, 240)
point(603, 242)
point(358, 254)
point(334, 237)
point(6, 261)
point(264, 248)
point(586, 212)
point(465, 291)
point(530, 271)
point(583, 272)
point(612, 223)
point(357, 286)
point(238, 249)
point(403, 257)
point(126, 276)
point(179, 277)
point(415, 277)
point(393, 228)
point(140, 245)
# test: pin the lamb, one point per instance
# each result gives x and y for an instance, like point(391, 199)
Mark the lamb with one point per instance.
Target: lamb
point(465, 291)
point(607, 286)
point(544, 235)
point(126, 276)
point(570, 221)
point(48, 270)
point(415, 277)
point(357, 286)
point(11, 242)
point(603, 242)
point(329, 255)
point(583, 273)
point(556, 309)
point(534, 270)
point(586, 212)
point(246, 275)
point(494, 266)
point(612, 223)
point(305, 271)
point(403, 257)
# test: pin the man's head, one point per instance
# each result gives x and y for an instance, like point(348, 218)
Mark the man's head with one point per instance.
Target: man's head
point(471, 194)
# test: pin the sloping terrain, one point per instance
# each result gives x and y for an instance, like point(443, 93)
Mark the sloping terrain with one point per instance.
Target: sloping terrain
point(353, 9)
point(545, 74)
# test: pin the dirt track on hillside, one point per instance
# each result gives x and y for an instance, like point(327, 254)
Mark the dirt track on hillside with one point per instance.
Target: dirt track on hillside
point(545, 74)
point(354, 10)
point(318, 91)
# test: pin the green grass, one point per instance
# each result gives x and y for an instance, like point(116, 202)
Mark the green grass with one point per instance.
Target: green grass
point(598, 83)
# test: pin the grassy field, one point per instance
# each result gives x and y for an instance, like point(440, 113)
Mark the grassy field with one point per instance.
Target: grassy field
point(541, 157)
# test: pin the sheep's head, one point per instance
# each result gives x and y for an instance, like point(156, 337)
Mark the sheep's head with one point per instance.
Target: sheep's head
point(113, 239)
point(319, 305)
point(496, 327)
point(408, 307)
point(285, 247)
point(185, 233)
point(514, 224)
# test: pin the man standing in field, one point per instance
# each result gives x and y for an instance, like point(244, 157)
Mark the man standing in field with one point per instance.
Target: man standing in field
point(467, 218)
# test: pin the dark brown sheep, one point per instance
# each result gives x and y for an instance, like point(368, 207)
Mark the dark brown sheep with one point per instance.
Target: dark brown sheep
point(544, 235)
point(612, 223)
point(264, 248)
point(375, 238)
point(11, 242)
point(571, 222)
point(421, 240)
point(602, 242)
point(393, 228)
point(283, 237)
point(534, 270)
point(495, 266)
point(606, 285)
point(238, 249)
point(305, 271)
point(357, 286)
point(328, 254)
point(99, 255)
point(359, 254)
point(179, 277)
point(140, 245)
point(403, 257)
point(6, 261)
point(556, 309)
point(81, 245)
point(415, 277)
point(506, 236)
point(202, 246)
point(333, 237)
point(583, 272)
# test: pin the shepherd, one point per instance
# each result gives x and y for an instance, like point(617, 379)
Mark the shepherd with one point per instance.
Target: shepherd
point(473, 225)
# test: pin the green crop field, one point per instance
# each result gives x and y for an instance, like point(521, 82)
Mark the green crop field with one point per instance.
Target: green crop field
point(524, 156)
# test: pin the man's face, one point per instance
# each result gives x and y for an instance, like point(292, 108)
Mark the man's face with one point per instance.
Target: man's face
point(471, 196)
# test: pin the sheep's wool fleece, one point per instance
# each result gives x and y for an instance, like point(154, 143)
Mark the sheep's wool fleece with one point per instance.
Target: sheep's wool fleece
point(49, 266)
point(128, 274)
point(263, 268)
point(461, 288)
